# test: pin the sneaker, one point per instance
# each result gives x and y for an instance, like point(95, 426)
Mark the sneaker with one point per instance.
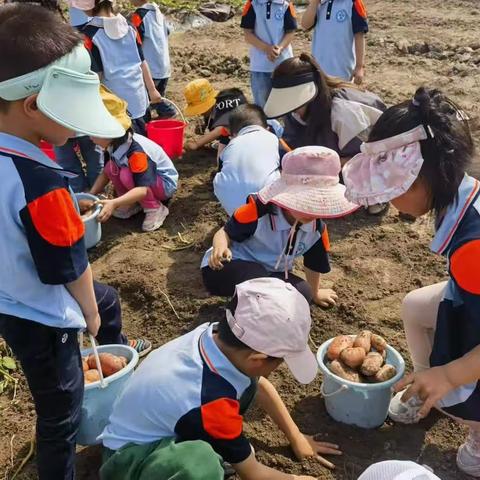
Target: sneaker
point(404, 412)
point(154, 218)
point(468, 456)
point(141, 345)
point(126, 212)
point(377, 209)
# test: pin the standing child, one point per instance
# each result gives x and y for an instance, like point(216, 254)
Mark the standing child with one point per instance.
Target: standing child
point(139, 169)
point(416, 158)
point(117, 55)
point(280, 223)
point(269, 27)
point(47, 293)
point(183, 421)
point(153, 30)
point(338, 42)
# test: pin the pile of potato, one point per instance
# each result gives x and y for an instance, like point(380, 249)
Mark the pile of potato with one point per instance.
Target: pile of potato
point(360, 359)
point(110, 364)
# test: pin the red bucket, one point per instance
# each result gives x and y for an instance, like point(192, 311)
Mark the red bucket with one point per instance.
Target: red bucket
point(168, 134)
point(47, 149)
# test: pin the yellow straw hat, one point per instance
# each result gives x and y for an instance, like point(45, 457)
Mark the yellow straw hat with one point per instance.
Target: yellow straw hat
point(200, 97)
point(116, 106)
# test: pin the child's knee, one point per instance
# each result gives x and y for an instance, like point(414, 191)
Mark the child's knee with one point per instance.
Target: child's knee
point(199, 453)
point(411, 306)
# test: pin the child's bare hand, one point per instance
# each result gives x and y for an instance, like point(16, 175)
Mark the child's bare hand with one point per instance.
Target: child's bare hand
point(108, 207)
point(305, 446)
point(358, 75)
point(191, 145)
point(155, 97)
point(93, 323)
point(303, 477)
point(272, 52)
point(218, 257)
point(325, 297)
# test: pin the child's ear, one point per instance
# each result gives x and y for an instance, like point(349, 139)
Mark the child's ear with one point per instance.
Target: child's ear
point(30, 106)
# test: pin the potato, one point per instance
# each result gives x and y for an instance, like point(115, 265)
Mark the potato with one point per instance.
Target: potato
point(91, 376)
point(338, 344)
point(110, 363)
point(385, 373)
point(343, 371)
point(85, 366)
point(124, 360)
point(363, 340)
point(353, 357)
point(378, 343)
point(372, 364)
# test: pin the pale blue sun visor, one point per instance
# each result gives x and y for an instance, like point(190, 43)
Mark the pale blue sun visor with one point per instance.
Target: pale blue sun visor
point(68, 93)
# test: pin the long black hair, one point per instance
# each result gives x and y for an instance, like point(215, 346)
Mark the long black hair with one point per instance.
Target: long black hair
point(447, 154)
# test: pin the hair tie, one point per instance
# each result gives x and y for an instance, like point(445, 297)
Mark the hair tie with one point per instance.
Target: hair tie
point(415, 102)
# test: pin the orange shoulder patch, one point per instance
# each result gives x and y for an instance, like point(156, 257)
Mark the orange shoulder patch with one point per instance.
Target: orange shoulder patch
point(221, 419)
point(139, 39)
point(465, 266)
point(247, 7)
point(56, 219)
point(360, 8)
point(87, 43)
point(138, 162)
point(326, 239)
point(293, 11)
point(247, 213)
point(225, 132)
point(136, 20)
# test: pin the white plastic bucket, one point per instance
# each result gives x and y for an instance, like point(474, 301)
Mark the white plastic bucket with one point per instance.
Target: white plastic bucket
point(362, 404)
point(97, 400)
point(93, 229)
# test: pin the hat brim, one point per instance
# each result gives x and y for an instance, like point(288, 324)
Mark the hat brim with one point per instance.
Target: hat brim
point(201, 108)
point(84, 112)
point(282, 101)
point(321, 202)
point(303, 366)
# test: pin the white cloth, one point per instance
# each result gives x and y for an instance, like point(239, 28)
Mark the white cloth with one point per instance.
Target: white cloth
point(397, 470)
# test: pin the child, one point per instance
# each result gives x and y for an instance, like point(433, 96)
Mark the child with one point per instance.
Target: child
point(138, 168)
point(397, 470)
point(269, 30)
point(416, 158)
point(250, 161)
point(182, 421)
point(153, 31)
point(117, 56)
point(77, 16)
point(46, 289)
point(280, 223)
point(202, 99)
point(338, 42)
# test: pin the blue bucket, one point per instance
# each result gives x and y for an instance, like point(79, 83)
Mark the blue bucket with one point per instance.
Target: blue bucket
point(93, 229)
point(97, 400)
point(362, 404)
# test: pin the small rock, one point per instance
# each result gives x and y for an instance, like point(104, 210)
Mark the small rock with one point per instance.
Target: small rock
point(465, 50)
point(186, 68)
point(204, 72)
point(475, 46)
point(403, 45)
point(466, 57)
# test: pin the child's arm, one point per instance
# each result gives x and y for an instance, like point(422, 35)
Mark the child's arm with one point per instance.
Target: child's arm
point(286, 41)
point(303, 446)
point(310, 15)
point(324, 297)
point(435, 383)
point(359, 72)
point(153, 93)
point(220, 252)
point(136, 194)
point(82, 291)
point(209, 137)
point(100, 183)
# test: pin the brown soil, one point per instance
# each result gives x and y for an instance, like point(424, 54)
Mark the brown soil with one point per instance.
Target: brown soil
point(376, 261)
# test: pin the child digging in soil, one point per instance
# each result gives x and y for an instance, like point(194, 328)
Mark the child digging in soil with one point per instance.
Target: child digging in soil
point(180, 415)
point(47, 293)
point(416, 158)
point(143, 175)
point(280, 223)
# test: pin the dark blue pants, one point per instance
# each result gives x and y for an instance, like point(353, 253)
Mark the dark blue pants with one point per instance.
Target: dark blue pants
point(50, 359)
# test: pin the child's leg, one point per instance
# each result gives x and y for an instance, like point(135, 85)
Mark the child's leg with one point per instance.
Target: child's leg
point(223, 282)
point(419, 315)
point(112, 171)
point(68, 159)
point(161, 85)
point(110, 311)
point(50, 359)
point(93, 159)
point(261, 84)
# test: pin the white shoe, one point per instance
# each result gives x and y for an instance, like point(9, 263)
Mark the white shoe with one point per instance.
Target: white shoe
point(468, 456)
point(404, 412)
point(377, 209)
point(126, 212)
point(154, 218)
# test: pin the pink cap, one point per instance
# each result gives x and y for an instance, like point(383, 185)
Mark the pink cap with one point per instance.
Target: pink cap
point(82, 4)
point(272, 317)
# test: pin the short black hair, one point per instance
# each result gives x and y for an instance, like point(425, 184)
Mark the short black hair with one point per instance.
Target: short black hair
point(100, 5)
point(225, 333)
point(246, 115)
point(28, 45)
point(447, 154)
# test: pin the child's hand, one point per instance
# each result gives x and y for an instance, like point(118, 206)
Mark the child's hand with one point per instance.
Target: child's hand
point(325, 297)
point(219, 255)
point(305, 446)
point(93, 323)
point(191, 145)
point(155, 96)
point(108, 207)
point(358, 75)
point(273, 52)
point(430, 386)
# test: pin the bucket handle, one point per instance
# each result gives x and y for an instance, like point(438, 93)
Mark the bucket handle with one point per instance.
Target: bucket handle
point(97, 360)
point(342, 388)
point(177, 108)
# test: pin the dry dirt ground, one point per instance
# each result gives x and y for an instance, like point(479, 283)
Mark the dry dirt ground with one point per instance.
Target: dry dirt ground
point(376, 261)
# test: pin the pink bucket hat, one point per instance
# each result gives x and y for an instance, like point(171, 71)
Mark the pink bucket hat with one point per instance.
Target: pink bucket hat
point(309, 184)
point(272, 317)
point(386, 169)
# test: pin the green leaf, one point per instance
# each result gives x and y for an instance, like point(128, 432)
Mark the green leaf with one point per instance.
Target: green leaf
point(9, 363)
point(2, 386)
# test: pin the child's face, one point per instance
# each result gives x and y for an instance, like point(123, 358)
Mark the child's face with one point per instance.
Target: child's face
point(416, 201)
point(300, 217)
point(258, 365)
point(101, 142)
